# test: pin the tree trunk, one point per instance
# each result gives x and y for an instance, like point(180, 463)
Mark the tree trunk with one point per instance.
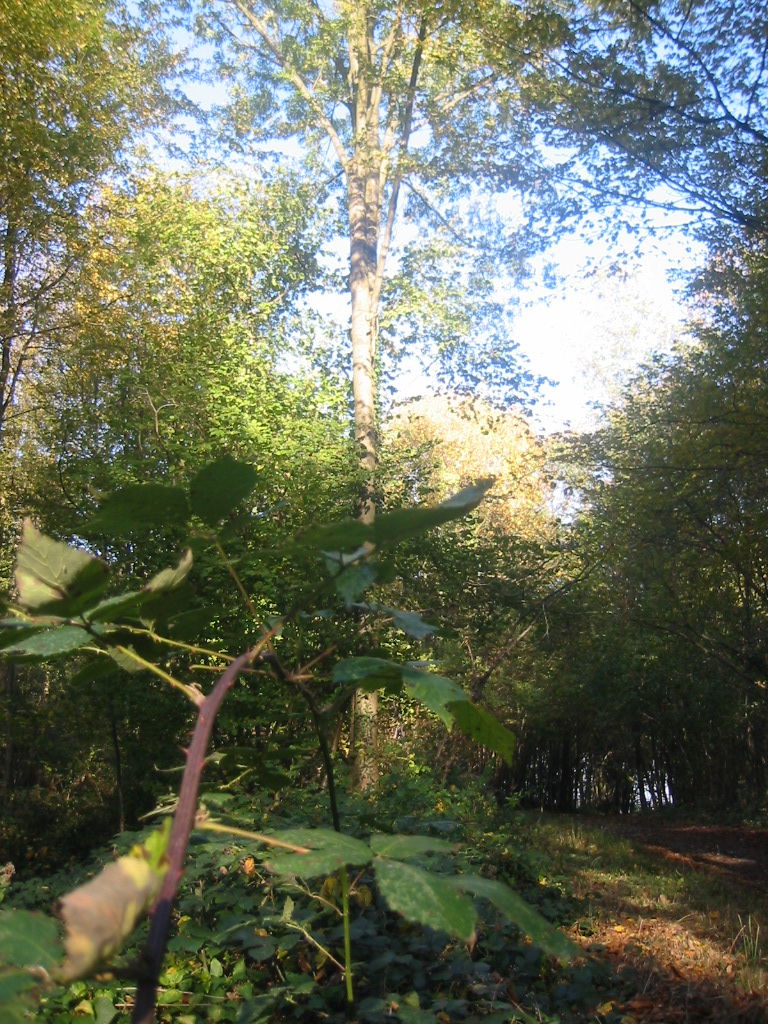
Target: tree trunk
point(363, 236)
point(118, 768)
point(8, 317)
point(366, 172)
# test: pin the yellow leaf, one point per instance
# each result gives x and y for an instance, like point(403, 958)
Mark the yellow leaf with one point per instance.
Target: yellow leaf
point(100, 915)
point(362, 896)
point(331, 887)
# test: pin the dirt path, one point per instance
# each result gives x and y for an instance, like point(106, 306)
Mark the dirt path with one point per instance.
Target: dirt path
point(688, 964)
point(738, 853)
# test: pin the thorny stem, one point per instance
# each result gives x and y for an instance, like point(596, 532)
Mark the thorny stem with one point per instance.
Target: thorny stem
point(183, 821)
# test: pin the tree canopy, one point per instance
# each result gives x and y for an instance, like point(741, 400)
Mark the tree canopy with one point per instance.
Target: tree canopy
point(81, 81)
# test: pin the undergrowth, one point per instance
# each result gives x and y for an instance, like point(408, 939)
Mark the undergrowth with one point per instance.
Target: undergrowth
point(249, 947)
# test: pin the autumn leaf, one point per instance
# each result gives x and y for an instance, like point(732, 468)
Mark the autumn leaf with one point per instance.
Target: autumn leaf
point(100, 915)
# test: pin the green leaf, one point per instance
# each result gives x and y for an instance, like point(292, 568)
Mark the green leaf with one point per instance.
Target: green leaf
point(101, 667)
point(483, 727)
point(54, 577)
point(140, 507)
point(14, 630)
point(155, 846)
point(433, 691)
point(369, 674)
point(512, 906)
point(411, 623)
point(104, 1010)
point(348, 535)
point(169, 579)
point(114, 607)
point(29, 939)
point(426, 898)
point(192, 625)
point(402, 847)
point(50, 643)
point(329, 851)
point(219, 487)
point(392, 527)
point(15, 997)
point(125, 661)
point(164, 605)
point(354, 580)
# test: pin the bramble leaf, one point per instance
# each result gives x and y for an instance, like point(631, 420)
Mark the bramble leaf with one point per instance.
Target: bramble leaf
point(514, 907)
point(219, 487)
point(390, 527)
point(401, 847)
point(483, 727)
point(47, 644)
point(140, 507)
point(433, 691)
point(53, 577)
point(329, 851)
point(370, 674)
point(28, 939)
point(169, 579)
point(411, 623)
point(425, 897)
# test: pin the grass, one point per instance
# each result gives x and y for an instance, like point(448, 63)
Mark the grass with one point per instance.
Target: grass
point(692, 938)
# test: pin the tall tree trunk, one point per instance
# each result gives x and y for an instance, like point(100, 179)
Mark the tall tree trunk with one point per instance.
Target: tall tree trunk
point(366, 173)
point(8, 317)
point(381, 109)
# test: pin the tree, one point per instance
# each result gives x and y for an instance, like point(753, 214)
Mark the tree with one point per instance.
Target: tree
point(665, 643)
point(403, 100)
point(187, 339)
point(486, 581)
point(183, 345)
point(80, 80)
point(667, 104)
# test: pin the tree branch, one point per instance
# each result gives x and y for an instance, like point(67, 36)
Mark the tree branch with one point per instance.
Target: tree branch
point(260, 27)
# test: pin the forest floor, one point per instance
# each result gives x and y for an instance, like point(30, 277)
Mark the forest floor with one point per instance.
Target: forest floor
point(679, 909)
point(734, 852)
